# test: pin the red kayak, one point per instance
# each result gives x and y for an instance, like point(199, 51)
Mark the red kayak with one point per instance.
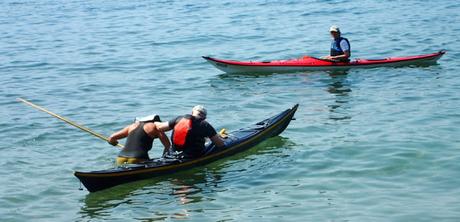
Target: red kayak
point(314, 64)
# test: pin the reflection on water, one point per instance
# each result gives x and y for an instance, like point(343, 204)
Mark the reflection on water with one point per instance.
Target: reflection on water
point(178, 189)
point(188, 188)
point(336, 82)
point(170, 196)
point(244, 75)
point(340, 88)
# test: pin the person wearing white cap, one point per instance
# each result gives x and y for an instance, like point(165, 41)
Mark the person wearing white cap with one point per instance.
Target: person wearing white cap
point(190, 131)
point(140, 136)
point(340, 47)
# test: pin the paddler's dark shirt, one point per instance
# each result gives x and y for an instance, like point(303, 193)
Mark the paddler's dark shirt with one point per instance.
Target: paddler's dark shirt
point(201, 129)
point(137, 144)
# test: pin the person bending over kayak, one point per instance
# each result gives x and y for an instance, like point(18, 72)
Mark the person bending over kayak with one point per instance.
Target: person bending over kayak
point(140, 136)
point(190, 131)
point(340, 47)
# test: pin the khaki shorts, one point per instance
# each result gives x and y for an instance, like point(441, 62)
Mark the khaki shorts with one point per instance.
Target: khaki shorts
point(130, 160)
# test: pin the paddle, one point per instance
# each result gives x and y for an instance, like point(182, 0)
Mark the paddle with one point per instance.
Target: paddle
point(66, 120)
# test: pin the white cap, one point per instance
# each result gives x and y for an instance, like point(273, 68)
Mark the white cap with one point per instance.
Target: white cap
point(153, 117)
point(200, 109)
point(334, 28)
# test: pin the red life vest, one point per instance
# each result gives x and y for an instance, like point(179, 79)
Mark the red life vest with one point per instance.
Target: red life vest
point(181, 132)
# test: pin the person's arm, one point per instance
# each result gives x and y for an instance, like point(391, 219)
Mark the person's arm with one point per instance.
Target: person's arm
point(213, 135)
point(165, 141)
point(113, 139)
point(346, 55)
point(153, 131)
point(167, 126)
point(163, 126)
point(217, 140)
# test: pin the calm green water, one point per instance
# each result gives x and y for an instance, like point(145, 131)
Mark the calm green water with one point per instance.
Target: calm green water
point(371, 145)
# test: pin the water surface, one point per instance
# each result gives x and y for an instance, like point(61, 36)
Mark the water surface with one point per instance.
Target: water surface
point(371, 145)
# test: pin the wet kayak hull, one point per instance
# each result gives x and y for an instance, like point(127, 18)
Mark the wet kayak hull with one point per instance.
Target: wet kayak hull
point(316, 64)
point(238, 141)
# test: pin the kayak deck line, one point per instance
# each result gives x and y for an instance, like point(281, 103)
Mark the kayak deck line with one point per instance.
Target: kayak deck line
point(311, 63)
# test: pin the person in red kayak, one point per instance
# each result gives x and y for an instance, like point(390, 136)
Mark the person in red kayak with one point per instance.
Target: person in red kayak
point(340, 47)
point(189, 133)
point(140, 136)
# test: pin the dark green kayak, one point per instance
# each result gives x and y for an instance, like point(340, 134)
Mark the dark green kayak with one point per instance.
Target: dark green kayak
point(238, 141)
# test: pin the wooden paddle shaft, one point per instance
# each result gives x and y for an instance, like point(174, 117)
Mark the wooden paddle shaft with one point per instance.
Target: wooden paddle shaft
point(66, 120)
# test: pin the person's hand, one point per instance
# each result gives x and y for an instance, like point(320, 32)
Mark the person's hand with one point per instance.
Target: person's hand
point(112, 141)
point(327, 57)
point(166, 151)
point(223, 133)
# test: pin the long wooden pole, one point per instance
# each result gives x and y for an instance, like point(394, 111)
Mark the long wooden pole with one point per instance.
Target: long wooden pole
point(67, 120)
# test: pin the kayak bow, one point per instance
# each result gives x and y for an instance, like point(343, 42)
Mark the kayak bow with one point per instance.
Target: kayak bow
point(316, 64)
point(237, 141)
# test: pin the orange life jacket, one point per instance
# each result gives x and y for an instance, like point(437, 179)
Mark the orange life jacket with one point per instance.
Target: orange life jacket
point(181, 132)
